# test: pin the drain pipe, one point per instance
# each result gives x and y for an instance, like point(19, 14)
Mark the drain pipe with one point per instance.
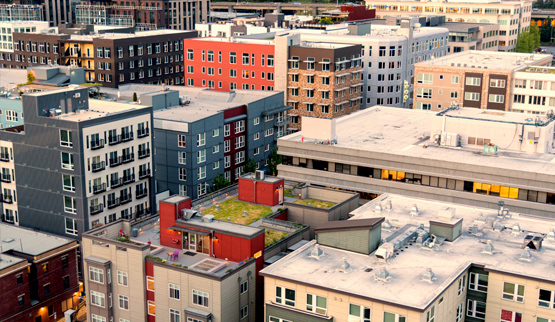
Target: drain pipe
point(254, 201)
point(249, 273)
point(212, 242)
point(239, 299)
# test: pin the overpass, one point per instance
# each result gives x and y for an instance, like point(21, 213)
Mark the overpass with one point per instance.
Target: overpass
point(541, 15)
point(264, 7)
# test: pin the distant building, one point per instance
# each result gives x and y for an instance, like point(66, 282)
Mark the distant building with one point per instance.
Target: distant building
point(7, 30)
point(472, 36)
point(481, 79)
point(88, 162)
point(38, 275)
point(403, 259)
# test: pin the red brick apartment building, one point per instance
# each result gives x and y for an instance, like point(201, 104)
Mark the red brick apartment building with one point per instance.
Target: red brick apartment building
point(38, 275)
point(225, 65)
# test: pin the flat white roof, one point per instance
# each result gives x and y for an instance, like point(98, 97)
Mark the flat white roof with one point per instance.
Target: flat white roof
point(486, 60)
point(447, 261)
point(404, 132)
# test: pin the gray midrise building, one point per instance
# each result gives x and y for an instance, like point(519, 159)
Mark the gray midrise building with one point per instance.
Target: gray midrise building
point(76, 163)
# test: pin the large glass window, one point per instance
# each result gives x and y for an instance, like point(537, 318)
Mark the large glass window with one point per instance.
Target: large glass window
point(317, 304)
point(285, 296)
point(66, 138)
point(513, 292)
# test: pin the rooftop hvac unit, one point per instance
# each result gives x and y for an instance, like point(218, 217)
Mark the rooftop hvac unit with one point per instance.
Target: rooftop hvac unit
point(187, 214)
point(533, 242)
point(259, 175)
point(450, 139)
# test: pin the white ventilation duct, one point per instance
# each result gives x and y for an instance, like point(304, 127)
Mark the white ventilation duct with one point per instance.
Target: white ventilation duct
point(388, 205)
point(480, 219)
point(428, 276)
point(378, 209)
point(387, 225)
point(316, 252)
point(516, 229)
point(344, 266)
point(488, 249)
point(414, 211)
point(551, 234)
point(526, 255)
point(382, 275)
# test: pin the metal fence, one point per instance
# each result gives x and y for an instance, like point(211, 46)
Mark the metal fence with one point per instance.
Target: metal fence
point(214, 195)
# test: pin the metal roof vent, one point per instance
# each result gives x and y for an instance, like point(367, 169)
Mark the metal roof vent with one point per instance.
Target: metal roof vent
point(208, 218)
point(387, 225)
point(526, 255)
point(516, 229)
point(475, 231)
point(382, 275)
point(344, 266)
point(551, 234)
point(488, 249)
point(502, 212)
point(480, 219)
point(533, 242)
point(414, 211)
point(388, 205)
point(498, 226)
point(316, 252)
point(428, 276)
point(378, 209)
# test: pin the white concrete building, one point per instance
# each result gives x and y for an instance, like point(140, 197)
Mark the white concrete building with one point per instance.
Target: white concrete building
point(512, 16)
point(7, 29)
point(534, 90)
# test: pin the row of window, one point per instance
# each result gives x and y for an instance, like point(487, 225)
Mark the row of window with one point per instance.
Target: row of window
point(232, 86)
point(247, 59)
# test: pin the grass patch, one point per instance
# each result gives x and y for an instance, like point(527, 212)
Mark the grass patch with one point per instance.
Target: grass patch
point(233, 209)
point(288, 193)
point(273, 236)
point(316, 203)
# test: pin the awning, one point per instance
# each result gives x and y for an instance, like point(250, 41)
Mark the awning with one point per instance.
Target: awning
point(356, 71)
point(308, 74)
point(292, 101)
point(197, 312)
point(342, 89)
point(293, 73)
point(323, 90)
point(359, 84)
point(356, 98)
point(292, 86)
point(341, 103)
point(235, 118)
point(276, 110)
point(341, 75)
point(188, 230)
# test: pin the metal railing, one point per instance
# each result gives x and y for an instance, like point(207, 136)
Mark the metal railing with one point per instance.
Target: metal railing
point(112, 203)
point(113, 140)
point(97, 144)
point(4, 157)
point(123, 199)
point(6, 178)
point(144, 174)
point(97, 209)
point(115, 161)
point(95, 167)
point(116, 183)
point(144, 153)
point(140, 193)
point(129, 179)
point(129, 157)
point(214, 195)
point(127, 136)
point(99, 188)
point(143, 133)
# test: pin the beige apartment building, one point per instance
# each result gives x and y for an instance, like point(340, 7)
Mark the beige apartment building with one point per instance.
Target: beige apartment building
point(134, 278)
point(437, 262)
point(477, 79)
point(464, 36)
point(513, 17)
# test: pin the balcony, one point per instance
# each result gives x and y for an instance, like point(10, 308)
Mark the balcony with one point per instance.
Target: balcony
point(115, 162)
point(143, 212)
point(95, 167)
point(112, 203)
point(97, 209)
point(129, 157)
point(129, 179)
point(6, 198)
point(97, 144)
point(125, 137)
point(5, 157)
point(143, 133)
point(6, 178)
point(113, 140)
point(144, 153)
point(99, 188)
point(123, 199)
point(116, 183)
point(144, 174)
point(141, 193)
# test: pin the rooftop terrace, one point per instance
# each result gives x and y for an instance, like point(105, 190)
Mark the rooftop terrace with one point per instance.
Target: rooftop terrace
point(405, 285)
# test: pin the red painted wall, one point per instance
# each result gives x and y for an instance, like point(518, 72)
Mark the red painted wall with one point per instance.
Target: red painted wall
point(282, 216)
point(225, 48)
point(171, 238)
point(246, 190)
point(266, 193)
point(359, 12)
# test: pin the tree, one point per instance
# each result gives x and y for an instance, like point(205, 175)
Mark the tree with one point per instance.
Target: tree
point(273, 161)
point(134, 97)
point(528, 41)
point(546, 30)
point(534, 37)
point(326, 21)
point(250, 166)
point(30, 78)
point(219, 182)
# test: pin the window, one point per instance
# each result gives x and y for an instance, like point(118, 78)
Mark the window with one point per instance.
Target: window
point(316, 304)
point(476, 309)
point(358, 313)
point(473, 81)
point(68, 182)
point(510, 316)
point(200, 298)
point(227, 146)
point(544, 320)
point(19, 279)
point(201, 156)
point(181, 140)
point(227, 161)
point(493, 98)
point(454, 79)
point(239, 142)
point(201, 139)
point(216, 165)
point(244, 311)
point(239, 157)
point(122, 278)
point(123, 302)
point(454, 94)
point(424, 92)
point(182, 174)
point(67, 161)
point(21, 300)
point(390, 317)
point(244, 287)
point(66, 139)
point(547, 299)
point(201, 172)
point(459, 313)
point(71, 226)
point(215, 149)
point(245, 58)
point(431, 314)
point(175, 315)
point(151, 308)
point(256, 120)
point(174, 291)
point(46, 289)
point(70, 205)
point(462, 284)
point(182, 190)
point(497, 83)
point(215, 133)
point(285, 296)
point(96, 275)
point(513, 292)
point(233, 58)
point(270, 61)
point(98, 299)
point(240, 126)
point(425, 78)
point(181, 157)
point(269, 132)
point(97, 318)
point(309, 107)
point(472, 96)
point(150, 283)
point(478, 282)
